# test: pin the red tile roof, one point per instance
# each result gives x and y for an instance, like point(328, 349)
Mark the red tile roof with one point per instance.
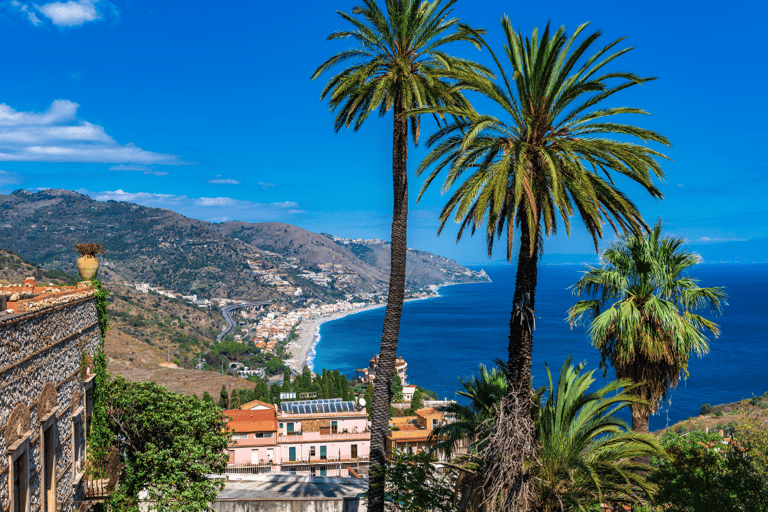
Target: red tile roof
point(261, 420)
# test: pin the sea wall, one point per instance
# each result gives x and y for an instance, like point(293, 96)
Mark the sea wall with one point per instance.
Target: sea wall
point(44, 380)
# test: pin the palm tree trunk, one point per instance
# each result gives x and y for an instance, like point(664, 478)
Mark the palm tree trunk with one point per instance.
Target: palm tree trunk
point(521, 323)
point(640, 421)
point(513, 439)
point(385, 369)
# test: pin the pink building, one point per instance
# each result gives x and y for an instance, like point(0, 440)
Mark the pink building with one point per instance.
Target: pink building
point(310, 437)
point(323, 438)
point(254, 439)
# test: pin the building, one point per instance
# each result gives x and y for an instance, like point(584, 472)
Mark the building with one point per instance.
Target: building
point(323, 438)
point(47, 345)
point(254, 438)
point(309, 437)
point(368, 375)
point(411, 434)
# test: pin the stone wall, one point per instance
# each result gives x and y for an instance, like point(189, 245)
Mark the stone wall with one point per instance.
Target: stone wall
point(41, 354)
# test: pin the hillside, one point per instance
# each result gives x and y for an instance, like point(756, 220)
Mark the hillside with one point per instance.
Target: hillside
point(236, 260)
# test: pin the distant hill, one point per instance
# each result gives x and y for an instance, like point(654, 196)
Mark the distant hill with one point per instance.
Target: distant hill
point(237, 260)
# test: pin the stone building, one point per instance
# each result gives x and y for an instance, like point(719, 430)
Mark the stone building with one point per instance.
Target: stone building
point(48, 338)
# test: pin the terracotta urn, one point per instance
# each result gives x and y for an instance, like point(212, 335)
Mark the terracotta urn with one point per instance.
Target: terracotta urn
point(87, 266)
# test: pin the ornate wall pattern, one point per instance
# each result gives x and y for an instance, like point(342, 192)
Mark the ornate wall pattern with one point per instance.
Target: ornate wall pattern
point(40, 372)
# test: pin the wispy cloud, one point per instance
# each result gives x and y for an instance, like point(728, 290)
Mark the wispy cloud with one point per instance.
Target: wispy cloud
point(68, 14)
point(265, 185)
point(26, 10)
point(708, 240)
point(213, 209)
point(223, 181)
point(57, 135)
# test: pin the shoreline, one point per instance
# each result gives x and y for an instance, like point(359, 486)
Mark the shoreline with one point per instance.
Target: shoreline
point(303, 349)
point(309, 336)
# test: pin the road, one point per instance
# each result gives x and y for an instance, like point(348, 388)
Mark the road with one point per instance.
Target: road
point(227, 312)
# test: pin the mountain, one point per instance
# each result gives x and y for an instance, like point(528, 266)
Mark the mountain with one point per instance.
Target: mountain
point(238, 260)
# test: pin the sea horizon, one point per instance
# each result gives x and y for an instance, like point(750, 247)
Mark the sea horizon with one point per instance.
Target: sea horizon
point(447, 337)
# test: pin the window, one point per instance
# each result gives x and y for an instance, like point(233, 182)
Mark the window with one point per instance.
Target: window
point(353, 450)
point(239, 436)
point(270, 453)
point(434, 423)
point(48, 456)
point(289, 427)
point(323, 471)
point(280, 425)
point(311, 451)
point(334, 427)
point(323, 452)
point(292, 454)
point(20, 478)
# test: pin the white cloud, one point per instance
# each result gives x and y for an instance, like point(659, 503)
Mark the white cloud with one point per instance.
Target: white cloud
point(265, 184)
point(224, 181)
point(57, 135)
point(706, 239)
point(129, 167)
point(212, 209)
point(26, 10)
point(71, 13)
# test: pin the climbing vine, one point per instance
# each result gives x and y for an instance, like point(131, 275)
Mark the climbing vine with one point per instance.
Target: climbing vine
point(100, 437)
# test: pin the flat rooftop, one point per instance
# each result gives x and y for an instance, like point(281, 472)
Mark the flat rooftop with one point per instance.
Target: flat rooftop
point(291, 487)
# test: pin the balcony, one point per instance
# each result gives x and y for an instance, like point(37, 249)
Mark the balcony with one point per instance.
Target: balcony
point(327, 460)
point(317, 437)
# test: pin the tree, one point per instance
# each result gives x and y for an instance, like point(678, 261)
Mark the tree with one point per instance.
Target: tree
point(368, 397)
point(207, 397)
point(224, 398)
point(541, 160)
point(588, 456)
point(168, 443)
point(643, 314)
point(397, 389)
point(397, 61)
point(417, 402)
point(484, 391)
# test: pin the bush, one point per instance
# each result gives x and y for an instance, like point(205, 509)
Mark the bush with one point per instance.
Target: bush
point(705, 409)
point(718, 414)
point(704, 474)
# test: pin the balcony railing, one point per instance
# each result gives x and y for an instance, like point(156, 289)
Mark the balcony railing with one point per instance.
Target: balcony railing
point(300, 438)
point(326, 460)
point(249, 469)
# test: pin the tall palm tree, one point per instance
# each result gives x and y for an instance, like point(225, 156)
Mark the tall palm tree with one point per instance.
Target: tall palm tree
point(587, 456)
point(396, 64)
point(548, 154)
point(643, 318)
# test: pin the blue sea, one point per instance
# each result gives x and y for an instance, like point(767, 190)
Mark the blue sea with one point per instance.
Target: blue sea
point(448, 336)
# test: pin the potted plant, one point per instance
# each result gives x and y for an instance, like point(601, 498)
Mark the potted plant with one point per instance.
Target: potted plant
point(87, 263)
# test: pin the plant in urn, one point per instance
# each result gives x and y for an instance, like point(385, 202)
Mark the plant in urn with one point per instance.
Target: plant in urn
point(87, 263)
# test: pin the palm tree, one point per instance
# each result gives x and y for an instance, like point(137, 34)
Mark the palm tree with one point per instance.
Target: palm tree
point(396, 64)
point(587, 456)
point(484, 392)
point(540, 160)
point(643, 314)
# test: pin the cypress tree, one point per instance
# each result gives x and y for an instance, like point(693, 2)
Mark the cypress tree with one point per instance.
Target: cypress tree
point(224, 398)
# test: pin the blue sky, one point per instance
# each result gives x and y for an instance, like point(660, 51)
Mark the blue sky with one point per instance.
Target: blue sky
point(208, 110)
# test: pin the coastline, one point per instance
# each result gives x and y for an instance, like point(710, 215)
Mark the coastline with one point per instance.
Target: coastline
point(309, 332)
point(309, 335)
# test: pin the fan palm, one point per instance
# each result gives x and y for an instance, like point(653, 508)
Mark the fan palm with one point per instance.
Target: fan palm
point(643, 314)
point(587, 455)
point(396, 64)
point(541, 159)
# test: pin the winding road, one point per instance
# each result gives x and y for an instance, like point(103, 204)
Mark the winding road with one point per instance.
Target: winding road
point(227, 312)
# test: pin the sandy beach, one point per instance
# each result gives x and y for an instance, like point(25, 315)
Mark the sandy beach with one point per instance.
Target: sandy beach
point(307, 331)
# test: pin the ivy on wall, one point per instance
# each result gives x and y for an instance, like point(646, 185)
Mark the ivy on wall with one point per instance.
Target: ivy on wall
point(100, 437)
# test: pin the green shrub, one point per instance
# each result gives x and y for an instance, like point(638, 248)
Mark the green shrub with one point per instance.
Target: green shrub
point(718, 414)
point(705, 409)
